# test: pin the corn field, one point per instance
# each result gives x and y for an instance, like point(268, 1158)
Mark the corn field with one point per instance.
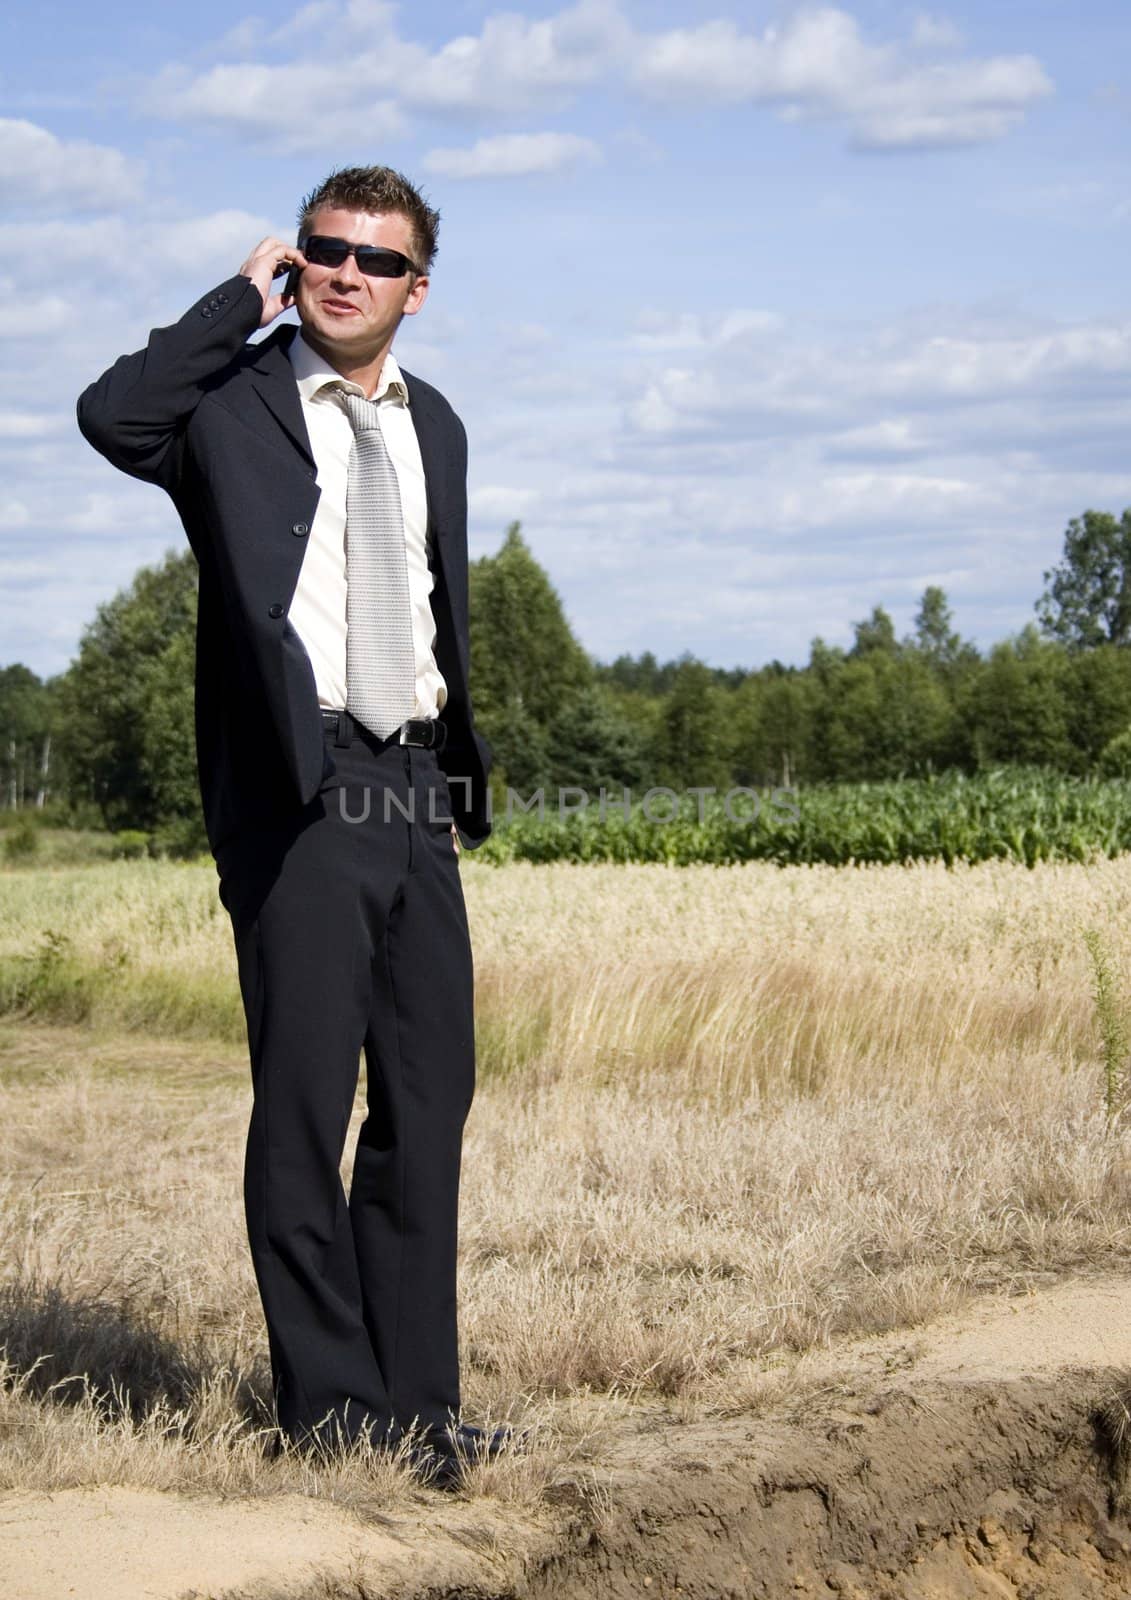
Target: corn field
point(1012, 814)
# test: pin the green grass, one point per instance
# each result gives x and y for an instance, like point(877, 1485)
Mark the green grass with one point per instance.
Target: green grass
point(1111, 1021)
point(29, 842)
point(138, 945)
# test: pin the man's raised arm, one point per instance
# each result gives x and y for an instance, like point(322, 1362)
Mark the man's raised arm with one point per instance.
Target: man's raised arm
point(134, 414)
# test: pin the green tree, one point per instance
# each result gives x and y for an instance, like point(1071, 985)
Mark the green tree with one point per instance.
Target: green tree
point(126, 720)
point(638, 711)
point(884, 715)
point(824, 659)
point(168, 758)
point(773, 714)
point(876, 633)
point(1088, 598)
point(693, 745)
point(523, 649)
point(592, 744)
point(935, 635)
point(26, 727)
point(1018, 707)
point(1098, 693)
point(627, 672)
point(526, 663)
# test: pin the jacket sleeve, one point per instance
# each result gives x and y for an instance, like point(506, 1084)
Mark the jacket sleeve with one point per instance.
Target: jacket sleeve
point(135, 413)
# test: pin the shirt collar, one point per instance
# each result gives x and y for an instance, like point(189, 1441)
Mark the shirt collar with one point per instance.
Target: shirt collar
point(313, 374)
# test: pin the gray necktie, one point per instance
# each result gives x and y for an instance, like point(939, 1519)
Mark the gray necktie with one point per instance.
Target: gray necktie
point(380, 659)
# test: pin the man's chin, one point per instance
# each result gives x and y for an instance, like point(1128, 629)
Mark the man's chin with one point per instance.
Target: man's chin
point(334, 345)
point(338, 330)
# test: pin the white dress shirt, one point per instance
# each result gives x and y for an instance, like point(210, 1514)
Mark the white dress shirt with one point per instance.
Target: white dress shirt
point(318, 610)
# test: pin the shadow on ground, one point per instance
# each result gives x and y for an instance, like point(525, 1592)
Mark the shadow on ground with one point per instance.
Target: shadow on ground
point(83, 1349)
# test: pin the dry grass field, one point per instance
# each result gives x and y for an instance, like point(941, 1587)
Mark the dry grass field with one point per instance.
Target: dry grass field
point(724, 1115)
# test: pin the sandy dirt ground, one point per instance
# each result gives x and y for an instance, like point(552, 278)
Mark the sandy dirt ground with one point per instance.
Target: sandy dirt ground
point(137, 1544)
point(949, 1462)
point(1086, 1323)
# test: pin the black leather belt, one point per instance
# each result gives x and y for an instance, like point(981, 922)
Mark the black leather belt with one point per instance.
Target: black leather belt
point(429, 733)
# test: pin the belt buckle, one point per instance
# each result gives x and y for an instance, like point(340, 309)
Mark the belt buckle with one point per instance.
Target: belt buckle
point(420, 731)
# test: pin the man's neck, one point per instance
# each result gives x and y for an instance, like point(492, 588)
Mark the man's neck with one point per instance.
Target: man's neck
point(363, 370)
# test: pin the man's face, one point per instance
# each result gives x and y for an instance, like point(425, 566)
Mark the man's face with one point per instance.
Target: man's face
point(348, 313)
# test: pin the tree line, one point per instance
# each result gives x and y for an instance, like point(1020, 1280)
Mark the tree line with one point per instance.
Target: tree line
point(109, 742)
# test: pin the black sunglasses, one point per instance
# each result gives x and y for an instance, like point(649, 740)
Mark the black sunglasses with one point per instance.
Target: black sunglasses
point(374, 260)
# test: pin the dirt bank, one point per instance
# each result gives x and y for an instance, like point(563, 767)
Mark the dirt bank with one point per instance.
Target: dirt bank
point(966, 1460)
point(972, 1459)
point(921, 1491)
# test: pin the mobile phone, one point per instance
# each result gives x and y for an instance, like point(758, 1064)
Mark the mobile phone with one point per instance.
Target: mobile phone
point(292, 269)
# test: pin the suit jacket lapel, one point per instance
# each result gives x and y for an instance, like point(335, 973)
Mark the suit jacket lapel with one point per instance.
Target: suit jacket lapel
point(429, 436)
point(273, 379)
point(271, 375)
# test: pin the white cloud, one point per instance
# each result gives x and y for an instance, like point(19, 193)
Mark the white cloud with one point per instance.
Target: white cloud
point(31, 316)
point(935, 33)
point(25, 425)
point(514, 155)
point(354, 60)
point(320, 14)
point(212, 243)
point(286, 104)
point(971, 102)
point(144, 251)
point(911, 385)
point(887, 437)
point(39, 171)
point(14, 513)
point(529, 336)
point(514, 62)
point(915, 92)
point(819, 65)
point(496, 502)
point(976, 367)
point(693, 330)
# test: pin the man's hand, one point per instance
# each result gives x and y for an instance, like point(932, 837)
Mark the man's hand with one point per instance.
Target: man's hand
point(455, 839)
point(262, 265)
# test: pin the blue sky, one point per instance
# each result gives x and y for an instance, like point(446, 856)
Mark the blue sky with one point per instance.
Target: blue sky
point(758, 315)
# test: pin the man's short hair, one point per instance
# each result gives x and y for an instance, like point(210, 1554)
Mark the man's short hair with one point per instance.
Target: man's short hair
point(375, 190)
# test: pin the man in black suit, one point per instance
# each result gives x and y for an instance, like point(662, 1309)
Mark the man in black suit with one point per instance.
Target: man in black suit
point(323, 492)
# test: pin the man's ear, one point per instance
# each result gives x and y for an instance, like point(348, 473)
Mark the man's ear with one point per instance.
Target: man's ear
point(417, 295)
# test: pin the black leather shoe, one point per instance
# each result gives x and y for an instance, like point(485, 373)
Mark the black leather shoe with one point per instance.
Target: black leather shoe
point(479, 1445)
point(436, 1463)
point(439, 1456)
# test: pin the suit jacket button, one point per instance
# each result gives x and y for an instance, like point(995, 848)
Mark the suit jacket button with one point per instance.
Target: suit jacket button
point(275, 611)
point(221, 299)
point(206, 311)
point(300, 529)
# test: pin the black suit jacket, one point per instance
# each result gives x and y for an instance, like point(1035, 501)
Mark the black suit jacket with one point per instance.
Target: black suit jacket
point(218, 423)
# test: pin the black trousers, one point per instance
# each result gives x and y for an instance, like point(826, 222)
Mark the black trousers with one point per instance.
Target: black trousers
point(351, 936)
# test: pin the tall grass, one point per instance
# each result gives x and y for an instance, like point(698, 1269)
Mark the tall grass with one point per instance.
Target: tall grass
point(731, 982)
